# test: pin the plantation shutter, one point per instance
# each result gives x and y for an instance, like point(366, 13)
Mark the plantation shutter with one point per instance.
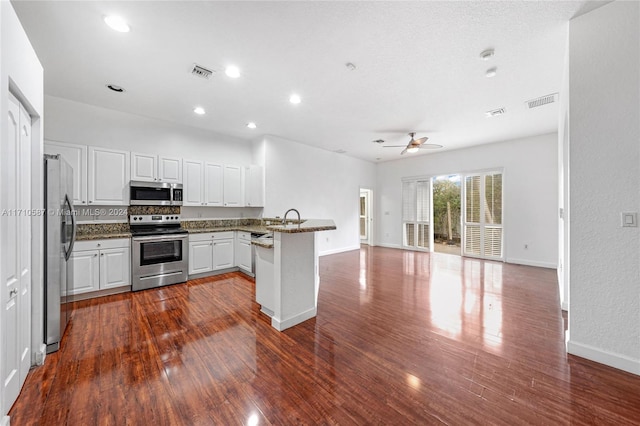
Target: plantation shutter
point(416, 213)
point(483, 230)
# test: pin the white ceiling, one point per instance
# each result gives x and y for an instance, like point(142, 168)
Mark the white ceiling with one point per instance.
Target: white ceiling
point(417, 66)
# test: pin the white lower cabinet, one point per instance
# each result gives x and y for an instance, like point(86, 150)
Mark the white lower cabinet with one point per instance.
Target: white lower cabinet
point(101, 264)
point(243, 251)
point(211, 251)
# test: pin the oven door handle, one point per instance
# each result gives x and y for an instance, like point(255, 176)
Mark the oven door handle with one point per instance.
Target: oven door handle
point(160, 238)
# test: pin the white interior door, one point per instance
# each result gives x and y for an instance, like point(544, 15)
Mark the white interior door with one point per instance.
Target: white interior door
point(365, 216)
point(15, 252)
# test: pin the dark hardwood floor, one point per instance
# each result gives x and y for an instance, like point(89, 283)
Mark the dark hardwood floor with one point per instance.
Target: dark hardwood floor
point(400, 338)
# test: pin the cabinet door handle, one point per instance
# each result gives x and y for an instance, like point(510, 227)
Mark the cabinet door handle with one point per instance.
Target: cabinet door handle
point(13, 293)
point(101, 254)
point(95, 255)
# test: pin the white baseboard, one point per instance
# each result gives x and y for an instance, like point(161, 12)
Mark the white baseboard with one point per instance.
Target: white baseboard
point(294, 320)
point(621, 362)
point(387, 245)
point(339, 250)
point(526, 262)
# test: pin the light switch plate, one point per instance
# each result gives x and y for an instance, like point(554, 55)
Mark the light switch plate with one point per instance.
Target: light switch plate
point(629, 219)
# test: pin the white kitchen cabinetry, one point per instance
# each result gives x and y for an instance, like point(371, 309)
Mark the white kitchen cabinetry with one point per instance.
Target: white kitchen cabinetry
point(200, 254)
point(101, 265)
point(243, 251)
point(233, 188)
point(254, 186)
point(212, 185)
point(202, 183)
point(76, 156)
point(155, 168)
point(211, 251)
point(108, 178)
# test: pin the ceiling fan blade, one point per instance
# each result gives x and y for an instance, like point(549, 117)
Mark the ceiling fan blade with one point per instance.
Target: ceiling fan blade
point(430, 146)
point(419, 141)
point(394, 146)
point(403, 151)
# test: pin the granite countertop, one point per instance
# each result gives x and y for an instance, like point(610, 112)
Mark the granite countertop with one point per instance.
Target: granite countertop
point(105, 236)
point(309, 225)
point(246, 228)
point(103, 231)
point(263, 242)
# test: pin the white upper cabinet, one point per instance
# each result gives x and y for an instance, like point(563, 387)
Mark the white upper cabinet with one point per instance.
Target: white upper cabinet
point(76, 156)
point(212, 185)
point(109, 175)
point(254, 186)
point(170, 169)
point(233, 188)
point(214, 178)
point(154, 168)
point(193, 183)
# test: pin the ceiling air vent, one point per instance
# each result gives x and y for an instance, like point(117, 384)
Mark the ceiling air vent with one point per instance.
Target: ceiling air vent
point(495, 112)
point(543, 100)
point(200, 71)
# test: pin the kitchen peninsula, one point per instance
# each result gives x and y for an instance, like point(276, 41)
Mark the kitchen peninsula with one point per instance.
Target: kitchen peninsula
point(287, 277)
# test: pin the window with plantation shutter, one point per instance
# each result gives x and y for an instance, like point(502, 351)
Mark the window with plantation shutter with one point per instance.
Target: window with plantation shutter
point(483, 230)
point(416, 214)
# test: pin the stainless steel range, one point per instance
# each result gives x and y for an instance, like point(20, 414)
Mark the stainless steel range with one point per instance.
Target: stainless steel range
point(160, 253)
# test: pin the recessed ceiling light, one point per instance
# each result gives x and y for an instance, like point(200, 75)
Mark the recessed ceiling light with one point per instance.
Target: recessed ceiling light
point(295, 99)
point(485, 55)
point(350, 66)
point(115, 88)
point(116, 23)
point(379, 141)
point(199, 110)
point(251, 125)
point(491, 72)
point(232, 71)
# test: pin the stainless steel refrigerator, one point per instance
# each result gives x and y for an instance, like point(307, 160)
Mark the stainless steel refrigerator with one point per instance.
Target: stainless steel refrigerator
point(60, 234)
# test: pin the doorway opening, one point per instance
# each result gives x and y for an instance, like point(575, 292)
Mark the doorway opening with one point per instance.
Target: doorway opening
point(447, 212)
point(365, 216)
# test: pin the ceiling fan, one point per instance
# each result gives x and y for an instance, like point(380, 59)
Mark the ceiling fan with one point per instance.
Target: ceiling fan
point(415, 144)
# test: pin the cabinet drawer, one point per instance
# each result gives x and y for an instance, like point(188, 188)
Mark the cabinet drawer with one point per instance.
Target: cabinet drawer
point(245, 236)
point(225, 235)
point(102, 244)
point(200, 237)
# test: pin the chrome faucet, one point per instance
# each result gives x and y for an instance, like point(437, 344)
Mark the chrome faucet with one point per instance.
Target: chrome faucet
point(284, 221)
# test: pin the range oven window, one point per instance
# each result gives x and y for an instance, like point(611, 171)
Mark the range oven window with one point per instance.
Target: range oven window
point(139, 193)
point(154, 252)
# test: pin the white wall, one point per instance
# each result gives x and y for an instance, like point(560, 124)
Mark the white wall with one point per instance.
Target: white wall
point(604, 180)
point(530, 193)
point(563, 184)
point(75, 122)
point(21, 72)
point(320, 184)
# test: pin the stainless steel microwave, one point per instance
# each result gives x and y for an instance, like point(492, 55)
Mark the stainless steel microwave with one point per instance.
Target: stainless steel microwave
point(155, 193)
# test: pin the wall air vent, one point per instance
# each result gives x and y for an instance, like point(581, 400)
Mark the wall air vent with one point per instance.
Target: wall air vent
point(543, 100)
point(495, 112)
point(200, 71)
